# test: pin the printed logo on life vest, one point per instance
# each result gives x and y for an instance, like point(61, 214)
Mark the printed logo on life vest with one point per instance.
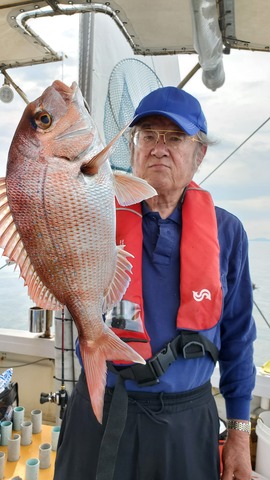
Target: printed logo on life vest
point(199, 296)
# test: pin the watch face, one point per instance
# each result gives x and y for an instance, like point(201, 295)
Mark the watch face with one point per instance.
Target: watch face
point(6, 94)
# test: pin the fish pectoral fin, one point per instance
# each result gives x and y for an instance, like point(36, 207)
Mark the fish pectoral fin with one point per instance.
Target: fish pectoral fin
point(94, 355)
point(130, 189)
point(92, 167)
point(14, 249)
point(120, 281)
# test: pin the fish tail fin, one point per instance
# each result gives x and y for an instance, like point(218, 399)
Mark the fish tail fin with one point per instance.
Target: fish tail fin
point(94, 356)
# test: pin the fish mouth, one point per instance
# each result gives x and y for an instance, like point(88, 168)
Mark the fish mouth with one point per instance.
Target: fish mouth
point(83, 125)
point(79, 139)
point(78, 97)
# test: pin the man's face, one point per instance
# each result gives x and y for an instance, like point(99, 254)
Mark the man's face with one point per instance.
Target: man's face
point(167, 167)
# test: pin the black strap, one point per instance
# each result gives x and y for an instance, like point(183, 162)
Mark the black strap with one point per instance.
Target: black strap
point(188, 344)
point(113, 432)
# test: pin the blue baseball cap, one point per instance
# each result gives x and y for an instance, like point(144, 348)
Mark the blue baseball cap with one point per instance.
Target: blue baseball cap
point(177, 105)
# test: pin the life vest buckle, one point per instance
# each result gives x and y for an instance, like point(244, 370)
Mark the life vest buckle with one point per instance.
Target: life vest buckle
point(162, 360)
point(188, 343)
point(158, 365)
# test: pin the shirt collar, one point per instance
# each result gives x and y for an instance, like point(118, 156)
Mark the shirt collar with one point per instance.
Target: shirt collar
point(175, 215)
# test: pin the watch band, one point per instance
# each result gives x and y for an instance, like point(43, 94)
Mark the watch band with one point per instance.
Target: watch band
point(238, 425)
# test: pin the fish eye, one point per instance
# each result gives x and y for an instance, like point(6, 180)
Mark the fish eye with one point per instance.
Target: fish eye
point(42, 120)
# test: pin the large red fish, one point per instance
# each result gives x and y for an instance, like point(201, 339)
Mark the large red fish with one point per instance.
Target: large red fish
point(57, 222)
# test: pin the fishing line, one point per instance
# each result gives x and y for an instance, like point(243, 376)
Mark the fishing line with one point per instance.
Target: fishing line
point(259, 310)
point(231, 154)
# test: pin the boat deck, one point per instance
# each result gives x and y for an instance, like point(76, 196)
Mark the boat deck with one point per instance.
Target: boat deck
point(17, 469)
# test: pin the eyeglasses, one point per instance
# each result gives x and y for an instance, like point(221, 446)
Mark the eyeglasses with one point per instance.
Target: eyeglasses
point(149, 138)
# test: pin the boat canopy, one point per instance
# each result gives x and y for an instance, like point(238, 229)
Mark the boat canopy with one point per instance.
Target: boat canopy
point(152, 27)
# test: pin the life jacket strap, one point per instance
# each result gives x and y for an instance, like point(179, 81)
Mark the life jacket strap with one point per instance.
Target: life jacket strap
point(188, 344)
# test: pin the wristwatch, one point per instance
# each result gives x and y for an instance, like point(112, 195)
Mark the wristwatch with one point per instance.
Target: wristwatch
point(238, 425)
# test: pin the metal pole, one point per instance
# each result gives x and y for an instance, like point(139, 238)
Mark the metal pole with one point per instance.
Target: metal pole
point(18, 90)
point(189, 75)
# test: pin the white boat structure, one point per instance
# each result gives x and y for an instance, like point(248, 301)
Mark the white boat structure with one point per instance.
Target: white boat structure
point(207, 28)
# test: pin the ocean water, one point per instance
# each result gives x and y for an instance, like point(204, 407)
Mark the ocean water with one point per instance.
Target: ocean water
point(15, 303)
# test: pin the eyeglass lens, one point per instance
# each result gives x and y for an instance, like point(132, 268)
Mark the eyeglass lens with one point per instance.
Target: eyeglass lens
point(150, 137)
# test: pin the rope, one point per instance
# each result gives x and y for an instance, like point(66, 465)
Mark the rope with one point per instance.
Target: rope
point(231, 154)
point(259, 310)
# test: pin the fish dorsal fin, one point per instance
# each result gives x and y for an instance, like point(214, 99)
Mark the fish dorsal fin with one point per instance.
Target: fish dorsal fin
point(130, 189)
point(120, 281)
point(92, 167)
point(12, 244)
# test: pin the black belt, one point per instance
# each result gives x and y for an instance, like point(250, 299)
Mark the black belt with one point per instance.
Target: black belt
point(188, 344)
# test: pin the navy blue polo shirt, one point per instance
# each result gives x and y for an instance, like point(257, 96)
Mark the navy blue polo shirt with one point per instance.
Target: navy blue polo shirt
point(233, 335)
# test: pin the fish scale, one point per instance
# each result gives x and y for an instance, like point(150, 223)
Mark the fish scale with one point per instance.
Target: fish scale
point(57, 222)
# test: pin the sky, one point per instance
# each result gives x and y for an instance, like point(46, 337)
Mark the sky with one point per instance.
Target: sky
point(233, 113)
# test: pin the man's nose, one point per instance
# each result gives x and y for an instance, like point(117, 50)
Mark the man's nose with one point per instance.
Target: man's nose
point(160, 145)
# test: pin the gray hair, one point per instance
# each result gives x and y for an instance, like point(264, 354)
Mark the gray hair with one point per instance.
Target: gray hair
point(204, 139)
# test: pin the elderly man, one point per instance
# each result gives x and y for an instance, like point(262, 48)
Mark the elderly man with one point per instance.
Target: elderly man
point(189, 303)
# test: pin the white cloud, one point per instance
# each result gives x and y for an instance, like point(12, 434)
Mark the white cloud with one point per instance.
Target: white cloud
point(258, 206)
point(234, 112)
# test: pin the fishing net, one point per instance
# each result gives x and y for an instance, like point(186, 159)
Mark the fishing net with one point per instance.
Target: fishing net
point(129, 82)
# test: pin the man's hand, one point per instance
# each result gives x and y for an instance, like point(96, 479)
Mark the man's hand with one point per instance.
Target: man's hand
point(236, 456)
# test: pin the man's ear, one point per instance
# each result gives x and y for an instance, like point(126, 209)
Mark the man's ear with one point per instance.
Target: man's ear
point(131, 149)
point(201, 154)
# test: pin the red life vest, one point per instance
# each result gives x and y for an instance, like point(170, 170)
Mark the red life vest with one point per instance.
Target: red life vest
point(200, 286)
